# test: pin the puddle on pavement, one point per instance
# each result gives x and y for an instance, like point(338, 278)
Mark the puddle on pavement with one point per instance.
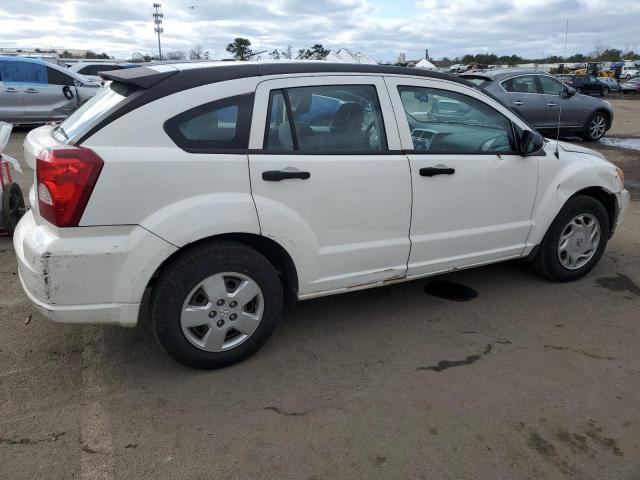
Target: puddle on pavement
point(628, 143)
point(450, 291)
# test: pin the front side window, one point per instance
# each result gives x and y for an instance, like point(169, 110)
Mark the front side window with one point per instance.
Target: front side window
point(336, 118)
point(442, 121)
point(217, 127)
point(521, 84)
point(54, 77)
point(550, 86)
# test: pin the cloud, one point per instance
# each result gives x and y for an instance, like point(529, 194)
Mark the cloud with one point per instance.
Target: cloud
point(382, 28)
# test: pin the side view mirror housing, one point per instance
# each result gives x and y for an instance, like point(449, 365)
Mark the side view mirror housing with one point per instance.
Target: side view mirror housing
point(530, 143)
point(570, 92)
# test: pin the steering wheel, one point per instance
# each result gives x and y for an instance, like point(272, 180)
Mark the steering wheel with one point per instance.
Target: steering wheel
point(495, 145)
point(367, 134)
point(66, 91)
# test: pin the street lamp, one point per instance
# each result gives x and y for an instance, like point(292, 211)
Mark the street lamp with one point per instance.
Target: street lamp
point(157, 20)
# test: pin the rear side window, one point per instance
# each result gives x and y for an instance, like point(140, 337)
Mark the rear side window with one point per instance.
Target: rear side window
point(23, 72)
point(217, 127)
point(522, 84)
point(325, 119)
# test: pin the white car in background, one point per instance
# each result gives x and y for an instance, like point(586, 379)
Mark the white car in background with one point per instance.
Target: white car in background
point(229, 190)
point(629, 71)
point(91, 70)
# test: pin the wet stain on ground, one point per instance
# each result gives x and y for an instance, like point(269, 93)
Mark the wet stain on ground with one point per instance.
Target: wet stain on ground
point(595, 434)
point(577, 443)
point(445, 364)
point(450, 291)
point(583, 352)
point(620, 283)
point(541, 446)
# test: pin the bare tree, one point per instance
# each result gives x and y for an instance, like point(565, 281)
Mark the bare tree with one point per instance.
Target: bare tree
point(175, 55)
point(198, 53)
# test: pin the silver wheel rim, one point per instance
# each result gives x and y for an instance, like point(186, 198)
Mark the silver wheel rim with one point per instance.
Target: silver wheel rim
point(222, 311)
point(598, 126)
point(579, 241)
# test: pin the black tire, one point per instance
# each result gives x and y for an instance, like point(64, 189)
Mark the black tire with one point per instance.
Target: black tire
point(546, 261)
point(184, 273)
point(587, 134)
point(12, 206)
point(604, 92)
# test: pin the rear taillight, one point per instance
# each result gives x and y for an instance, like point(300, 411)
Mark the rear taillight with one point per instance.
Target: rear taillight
point(65, 179)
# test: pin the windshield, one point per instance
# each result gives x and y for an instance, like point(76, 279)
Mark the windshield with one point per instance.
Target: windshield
point(88, 114)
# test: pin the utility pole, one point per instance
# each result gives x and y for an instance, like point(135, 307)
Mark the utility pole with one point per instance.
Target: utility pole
point(157, 20)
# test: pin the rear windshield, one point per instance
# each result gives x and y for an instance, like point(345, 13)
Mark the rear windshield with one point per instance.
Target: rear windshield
point(92, 111)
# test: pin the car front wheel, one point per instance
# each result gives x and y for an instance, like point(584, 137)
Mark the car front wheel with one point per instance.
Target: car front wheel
point(596, 127)
point(216, 304)
point(575, 241)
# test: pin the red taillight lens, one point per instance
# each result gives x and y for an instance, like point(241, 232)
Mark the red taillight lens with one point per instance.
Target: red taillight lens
point(66, 178)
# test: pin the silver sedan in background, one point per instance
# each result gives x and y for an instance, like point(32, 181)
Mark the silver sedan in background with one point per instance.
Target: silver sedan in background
point(538, 96)
point(33, 91)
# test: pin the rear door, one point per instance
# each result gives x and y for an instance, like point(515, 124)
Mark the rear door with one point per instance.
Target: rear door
point(50, 96)
point(11, 103)
point(526, 99)
point(329, 180)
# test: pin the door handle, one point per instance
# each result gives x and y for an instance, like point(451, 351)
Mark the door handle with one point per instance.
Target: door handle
point(31, 90)
point(551, 104)
point(11, 90)
point(277, 175)
point(518, 102)
point(433, 171)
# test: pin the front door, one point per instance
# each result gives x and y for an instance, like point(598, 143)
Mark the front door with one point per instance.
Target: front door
point(472, 194)
point(566, 110)
point(50, 95)
point(329, 180)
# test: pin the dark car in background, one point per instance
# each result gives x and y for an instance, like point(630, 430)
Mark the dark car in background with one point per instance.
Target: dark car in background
point(537, 97)
point(587, 84)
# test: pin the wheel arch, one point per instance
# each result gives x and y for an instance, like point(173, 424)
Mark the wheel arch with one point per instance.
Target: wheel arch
point(606, 198)
point(270, 249)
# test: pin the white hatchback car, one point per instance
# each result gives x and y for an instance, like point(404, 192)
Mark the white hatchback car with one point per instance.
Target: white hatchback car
point(232, 190)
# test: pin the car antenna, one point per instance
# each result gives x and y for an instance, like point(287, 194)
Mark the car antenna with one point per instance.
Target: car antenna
point(564, 62)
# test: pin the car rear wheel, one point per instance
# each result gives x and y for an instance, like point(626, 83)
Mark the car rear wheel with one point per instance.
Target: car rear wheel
point(596, 127)
point(575, 241)
point(216, 305)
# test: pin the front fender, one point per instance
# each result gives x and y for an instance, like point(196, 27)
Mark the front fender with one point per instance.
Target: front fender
point(560, 181)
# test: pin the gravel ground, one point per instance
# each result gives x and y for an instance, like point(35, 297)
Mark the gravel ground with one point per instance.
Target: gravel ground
point(504, 376)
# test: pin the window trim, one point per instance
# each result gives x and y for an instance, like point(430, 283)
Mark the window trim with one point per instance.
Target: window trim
point(244, 102)
point(296, 151)
point(512, 133)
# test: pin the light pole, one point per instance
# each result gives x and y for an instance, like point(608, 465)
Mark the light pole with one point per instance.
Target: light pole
point(157, 20)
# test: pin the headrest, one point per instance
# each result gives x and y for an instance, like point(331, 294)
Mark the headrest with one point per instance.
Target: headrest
point(348, 118)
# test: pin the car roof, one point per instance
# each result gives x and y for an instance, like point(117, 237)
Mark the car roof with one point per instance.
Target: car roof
point(502, 73)
point(191, 74)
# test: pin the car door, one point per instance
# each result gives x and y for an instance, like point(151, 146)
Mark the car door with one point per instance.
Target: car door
point(11, 103)
point(329, 181)
point(527, 100)
point(571, 113)
point(51, 96)
point(472, 193)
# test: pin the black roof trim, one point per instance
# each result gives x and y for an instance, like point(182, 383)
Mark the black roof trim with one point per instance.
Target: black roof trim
point(157, 85)
point(143, 77)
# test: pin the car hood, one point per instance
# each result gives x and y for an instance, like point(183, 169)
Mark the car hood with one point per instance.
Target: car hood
point(572, 147)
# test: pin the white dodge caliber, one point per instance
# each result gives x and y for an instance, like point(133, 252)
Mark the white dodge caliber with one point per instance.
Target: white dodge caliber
point(232, 190)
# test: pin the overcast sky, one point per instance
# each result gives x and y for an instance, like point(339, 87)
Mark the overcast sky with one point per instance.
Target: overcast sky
point(381, 28)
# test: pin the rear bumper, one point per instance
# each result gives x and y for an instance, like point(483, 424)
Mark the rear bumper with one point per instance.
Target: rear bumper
point(87, 274)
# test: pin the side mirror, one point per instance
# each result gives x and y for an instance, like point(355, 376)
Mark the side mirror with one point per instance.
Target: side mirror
point(570, 92)
point(530, 143)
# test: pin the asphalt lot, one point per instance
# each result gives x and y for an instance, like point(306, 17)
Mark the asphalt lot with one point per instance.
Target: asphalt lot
point(527, 380)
